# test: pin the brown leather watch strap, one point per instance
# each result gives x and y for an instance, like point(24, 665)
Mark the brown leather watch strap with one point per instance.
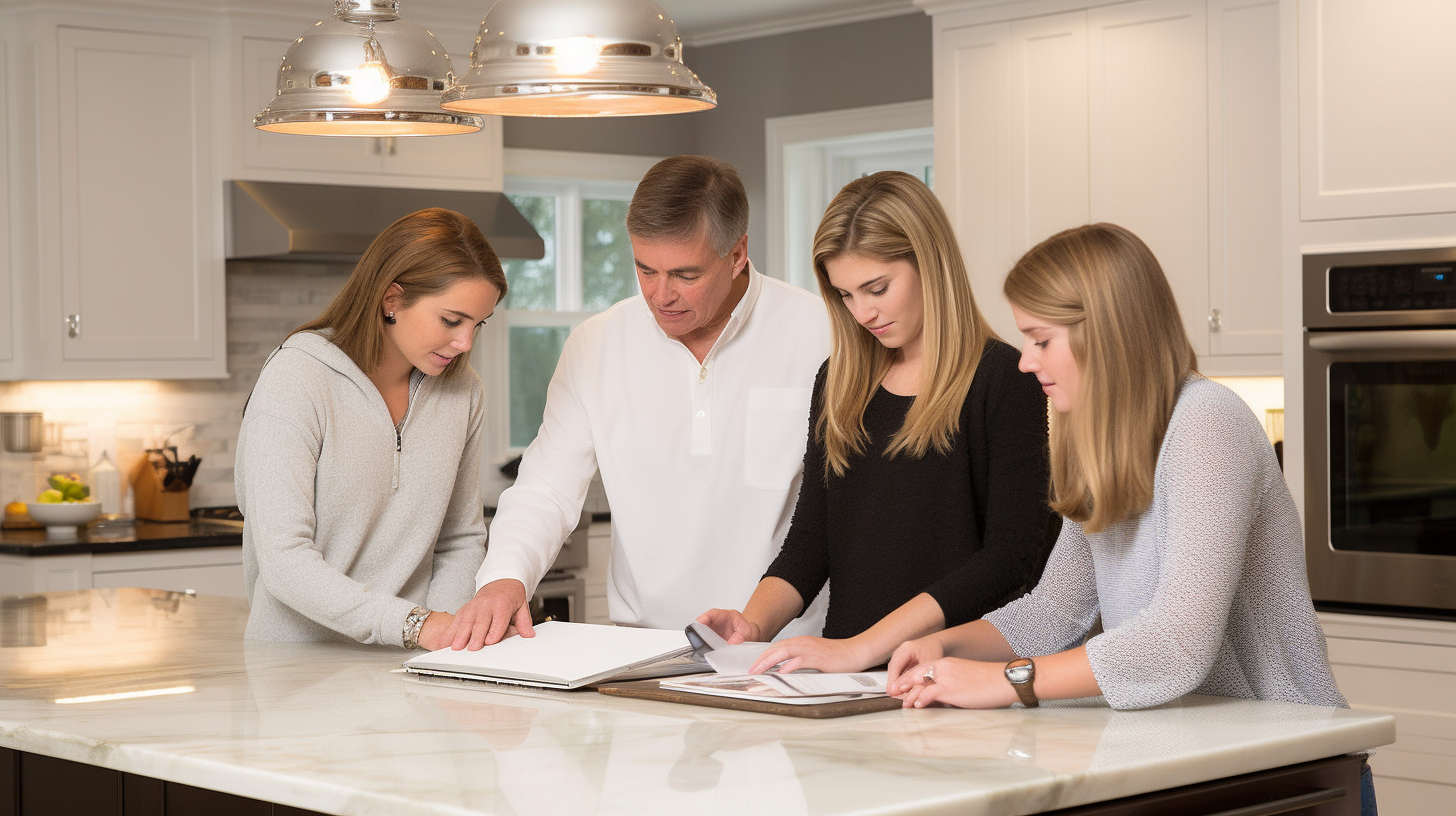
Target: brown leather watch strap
point(1021, 673)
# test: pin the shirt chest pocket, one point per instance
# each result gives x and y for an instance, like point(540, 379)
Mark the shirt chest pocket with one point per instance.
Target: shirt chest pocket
point(777, 429)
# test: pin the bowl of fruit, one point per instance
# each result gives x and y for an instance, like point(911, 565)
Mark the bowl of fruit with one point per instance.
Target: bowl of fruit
point(64, 506)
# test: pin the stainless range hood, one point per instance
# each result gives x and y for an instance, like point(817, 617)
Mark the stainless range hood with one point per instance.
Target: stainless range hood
point(275, 221)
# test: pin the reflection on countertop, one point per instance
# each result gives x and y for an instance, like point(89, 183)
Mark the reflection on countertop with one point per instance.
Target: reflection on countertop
point(163, 685)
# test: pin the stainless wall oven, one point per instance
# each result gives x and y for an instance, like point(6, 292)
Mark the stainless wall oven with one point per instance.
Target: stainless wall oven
point(1380, 430)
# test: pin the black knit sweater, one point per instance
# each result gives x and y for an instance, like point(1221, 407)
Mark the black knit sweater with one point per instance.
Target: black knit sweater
point(970, 527)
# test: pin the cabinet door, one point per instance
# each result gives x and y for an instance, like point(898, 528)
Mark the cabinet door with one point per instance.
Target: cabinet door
point(139, 262)
point(1244, 279)
point(8, 283)
point(472, 157)
point(1375, 85)
point(1048, 144)
point(1149, 139)
point(972, 108)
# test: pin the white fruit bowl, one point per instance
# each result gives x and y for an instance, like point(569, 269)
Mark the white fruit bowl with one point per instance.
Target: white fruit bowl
point(63, 518)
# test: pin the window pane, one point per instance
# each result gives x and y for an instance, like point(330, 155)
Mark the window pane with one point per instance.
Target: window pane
point(532, 284)
point(606, 254)
point(534, 351)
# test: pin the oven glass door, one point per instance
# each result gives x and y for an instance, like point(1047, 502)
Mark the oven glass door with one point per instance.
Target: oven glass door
point(1392, 449)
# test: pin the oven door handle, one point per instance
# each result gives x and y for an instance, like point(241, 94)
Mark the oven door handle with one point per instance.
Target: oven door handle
point(1383, 340)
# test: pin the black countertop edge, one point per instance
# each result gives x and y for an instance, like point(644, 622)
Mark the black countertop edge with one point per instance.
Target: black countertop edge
point(604, 515)
point(140, 537)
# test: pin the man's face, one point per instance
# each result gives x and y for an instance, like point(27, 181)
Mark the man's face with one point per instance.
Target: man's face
point(687, 285)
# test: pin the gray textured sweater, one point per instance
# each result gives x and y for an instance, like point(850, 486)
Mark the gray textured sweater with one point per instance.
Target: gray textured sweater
point(1205, 591)
point(349, 525)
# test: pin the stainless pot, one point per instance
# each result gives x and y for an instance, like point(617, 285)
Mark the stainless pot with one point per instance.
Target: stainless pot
point(24, 432)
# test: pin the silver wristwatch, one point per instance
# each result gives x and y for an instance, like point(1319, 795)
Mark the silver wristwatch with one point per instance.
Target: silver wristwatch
point(413, 623)
point(1021, 673)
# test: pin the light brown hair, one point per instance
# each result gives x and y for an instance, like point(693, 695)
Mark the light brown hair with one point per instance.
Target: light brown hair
point(1132, 354)
point(425, 252)
point(890, 216)
point(682, 196)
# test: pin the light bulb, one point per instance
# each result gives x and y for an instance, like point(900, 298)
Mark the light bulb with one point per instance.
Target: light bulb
point(369, 83)
point(575, 55)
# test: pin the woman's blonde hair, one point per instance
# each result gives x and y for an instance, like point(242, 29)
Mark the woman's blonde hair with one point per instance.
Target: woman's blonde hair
point(891, 216)
point(425, 252)
point(1132, 354)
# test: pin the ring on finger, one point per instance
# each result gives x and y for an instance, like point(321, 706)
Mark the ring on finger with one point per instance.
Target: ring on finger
point(929, 676)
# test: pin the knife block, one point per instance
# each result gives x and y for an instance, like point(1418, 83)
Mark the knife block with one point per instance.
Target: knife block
point(152, 502)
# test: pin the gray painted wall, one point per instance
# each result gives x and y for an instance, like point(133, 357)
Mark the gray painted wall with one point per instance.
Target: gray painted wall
point(824, 69)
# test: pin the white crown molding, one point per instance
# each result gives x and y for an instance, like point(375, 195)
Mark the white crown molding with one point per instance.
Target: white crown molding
point(771, 25)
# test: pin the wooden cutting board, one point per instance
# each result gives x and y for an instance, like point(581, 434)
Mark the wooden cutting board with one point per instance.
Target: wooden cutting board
point(650, 690)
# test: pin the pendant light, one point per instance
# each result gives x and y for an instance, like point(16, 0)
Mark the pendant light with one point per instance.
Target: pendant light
point(577, 58)
point(364, 72)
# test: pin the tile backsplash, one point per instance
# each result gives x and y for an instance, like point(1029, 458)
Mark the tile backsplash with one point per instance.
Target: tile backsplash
point(264, 302)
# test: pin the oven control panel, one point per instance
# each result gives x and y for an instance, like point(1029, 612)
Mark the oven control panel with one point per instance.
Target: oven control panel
point(1396, 287)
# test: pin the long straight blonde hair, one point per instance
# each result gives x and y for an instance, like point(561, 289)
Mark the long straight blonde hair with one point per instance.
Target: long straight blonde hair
point(891, 216)
point(1132, 354)
point(425, 252)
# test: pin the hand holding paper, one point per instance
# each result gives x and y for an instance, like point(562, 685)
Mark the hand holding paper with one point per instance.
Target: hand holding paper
point(724, 657)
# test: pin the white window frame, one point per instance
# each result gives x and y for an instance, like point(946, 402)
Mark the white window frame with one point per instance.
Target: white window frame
point(571, 177)
point(807, 154)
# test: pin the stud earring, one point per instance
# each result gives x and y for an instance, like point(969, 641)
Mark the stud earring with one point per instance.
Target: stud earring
point(389, 318)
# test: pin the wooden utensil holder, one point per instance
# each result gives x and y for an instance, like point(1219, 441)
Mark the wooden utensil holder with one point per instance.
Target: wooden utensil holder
point(152, 502)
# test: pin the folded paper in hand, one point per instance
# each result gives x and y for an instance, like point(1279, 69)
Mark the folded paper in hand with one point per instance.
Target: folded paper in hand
point(725, 658)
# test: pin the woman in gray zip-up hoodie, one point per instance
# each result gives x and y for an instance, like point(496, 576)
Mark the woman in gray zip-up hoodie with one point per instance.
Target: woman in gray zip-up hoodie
point(358, 458)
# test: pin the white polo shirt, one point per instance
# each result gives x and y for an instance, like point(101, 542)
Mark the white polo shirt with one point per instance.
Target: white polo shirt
point(701, 463)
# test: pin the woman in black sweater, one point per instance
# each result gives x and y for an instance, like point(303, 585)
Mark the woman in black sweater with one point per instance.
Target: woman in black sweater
point(924, 503)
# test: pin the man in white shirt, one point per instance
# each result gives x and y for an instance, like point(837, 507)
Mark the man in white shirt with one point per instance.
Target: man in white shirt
point(693, 401)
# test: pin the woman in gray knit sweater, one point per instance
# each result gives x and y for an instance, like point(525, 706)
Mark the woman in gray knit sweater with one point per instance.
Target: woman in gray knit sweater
point(1179, 530)
point(358, 459)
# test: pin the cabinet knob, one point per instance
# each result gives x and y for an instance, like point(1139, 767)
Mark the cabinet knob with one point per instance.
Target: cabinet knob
point(1215, 320)
point(73, 326)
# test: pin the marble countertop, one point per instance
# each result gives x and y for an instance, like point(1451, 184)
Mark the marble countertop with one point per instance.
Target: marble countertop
point(162, 684)
point(124, 536)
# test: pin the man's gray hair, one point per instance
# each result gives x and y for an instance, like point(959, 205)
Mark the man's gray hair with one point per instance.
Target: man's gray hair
point(683, 195)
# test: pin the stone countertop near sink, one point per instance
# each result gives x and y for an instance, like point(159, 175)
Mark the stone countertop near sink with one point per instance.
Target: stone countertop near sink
point(333, 728)
point(124, 536)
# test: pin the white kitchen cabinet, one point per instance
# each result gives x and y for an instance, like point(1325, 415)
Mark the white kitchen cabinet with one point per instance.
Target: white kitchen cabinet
point(206, 570)
point(1148, 138)
point(127, 214)
point(1407, 668)
point(8, 285)
point(1160, 115)
point(1375, 118)
point(470, 161)
point(599, 555)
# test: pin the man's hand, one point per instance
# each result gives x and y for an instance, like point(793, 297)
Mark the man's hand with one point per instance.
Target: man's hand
point(487, 617)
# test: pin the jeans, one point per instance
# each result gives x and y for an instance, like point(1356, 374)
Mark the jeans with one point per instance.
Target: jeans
point(1367, 790)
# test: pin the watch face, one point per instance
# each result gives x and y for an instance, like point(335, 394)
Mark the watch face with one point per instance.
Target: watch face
point(1019, 674)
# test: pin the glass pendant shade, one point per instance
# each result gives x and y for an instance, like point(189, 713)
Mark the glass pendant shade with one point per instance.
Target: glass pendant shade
point(578, 58)
point(364, 72)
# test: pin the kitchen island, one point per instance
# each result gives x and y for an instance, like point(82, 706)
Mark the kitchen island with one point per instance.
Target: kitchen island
point(148, 685)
